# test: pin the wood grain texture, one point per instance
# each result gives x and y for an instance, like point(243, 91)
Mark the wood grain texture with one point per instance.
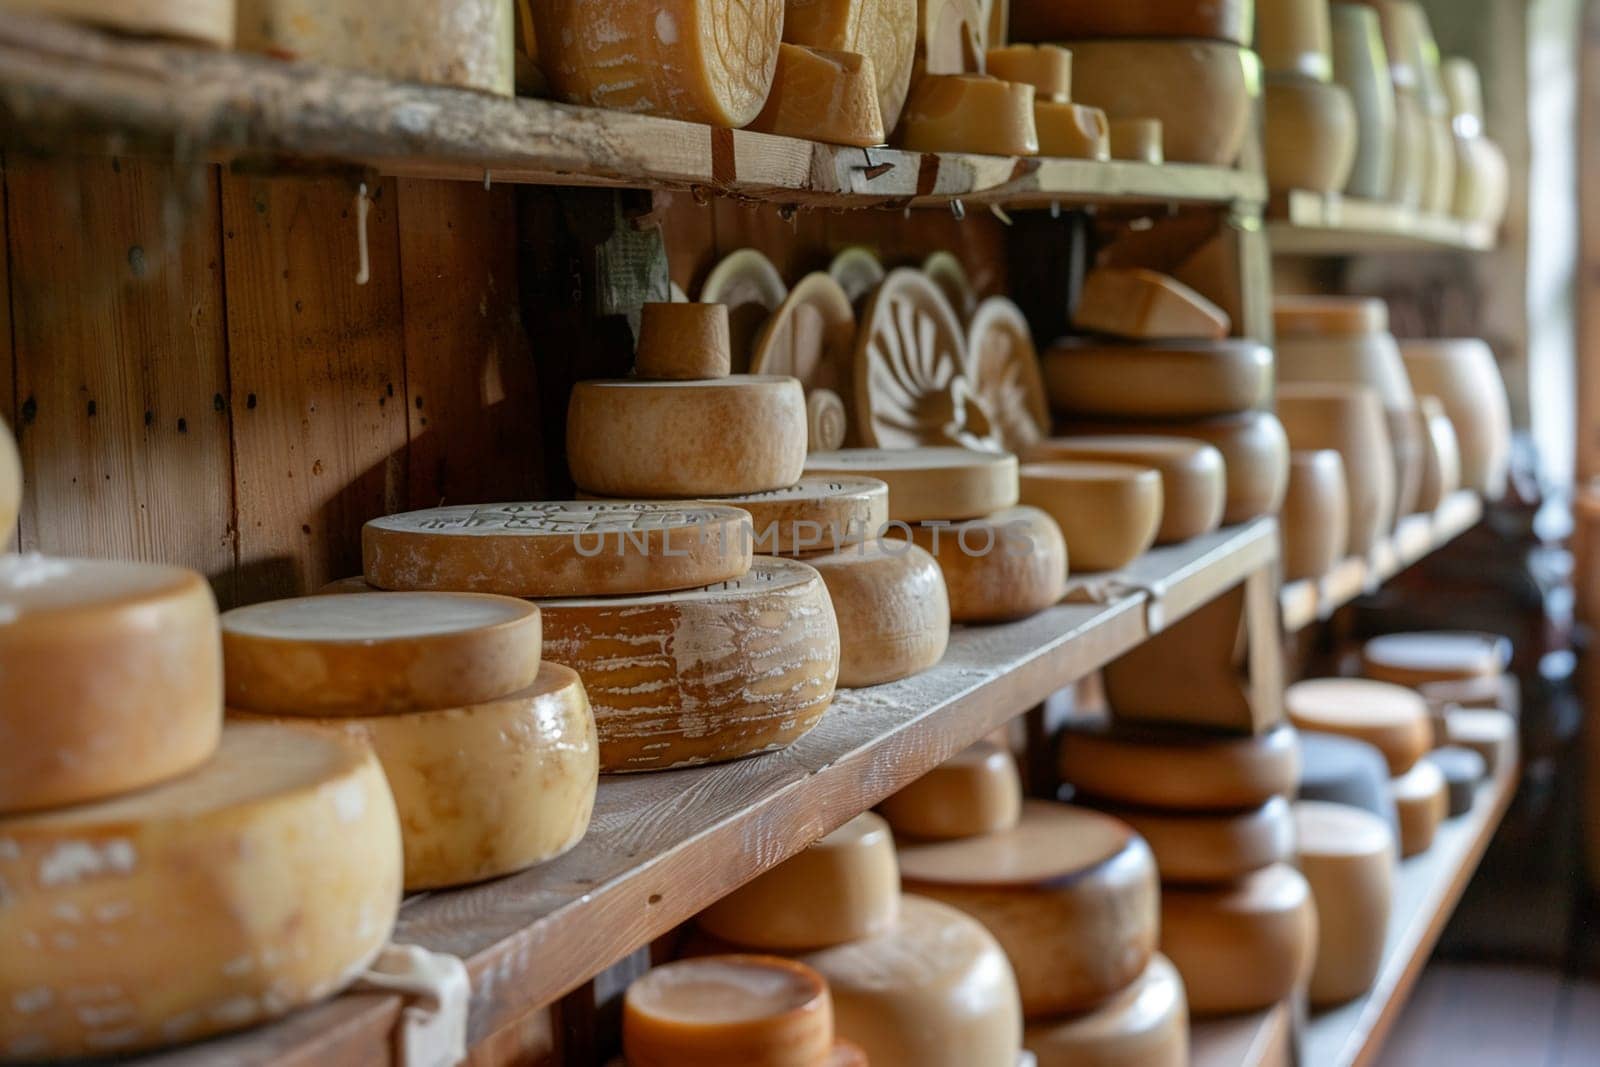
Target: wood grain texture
point(9, 539)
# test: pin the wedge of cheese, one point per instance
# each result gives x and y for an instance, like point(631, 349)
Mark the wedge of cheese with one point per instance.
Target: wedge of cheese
point(1392, 718)
point(1146, 305)
point(816, 514)
point(1071, 131)
point(1212, 849)
point(1175, 768)
point(1145, 1025)
point(1008, 565)
point(823, 95)
point(683, 341)
point(755, 1010)
point(977, 791)
point(1156, 379)
point(969, 113)
point(884, 31)
point(929, 483)
point(1348, 858)
point(1193, 477)
point(892, 607)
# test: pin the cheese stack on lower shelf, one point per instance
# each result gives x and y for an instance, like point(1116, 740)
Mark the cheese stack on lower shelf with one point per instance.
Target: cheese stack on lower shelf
point(1463, 676)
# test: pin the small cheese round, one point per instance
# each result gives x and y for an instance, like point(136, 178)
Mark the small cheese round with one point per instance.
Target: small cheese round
point(893, 610)
point(558, 548)
point(705, 675)
point(1489, 732)
point(1463, 769)
point(206, 22)
point(969, 113)
point(817, 514)
point(841, 888)
point(112, 678)
point(1178, 769)
point(1109, 512)
point(929, 483)
point(1071, 894)
point(1194, 479)
point(1145, 1025)
point(486, 789)
point(744, 433)
point(1157, 379)
point(683, 341)
point(264, 880)
point(1315, 524)
point(1348, 858)
point(823, 95)
point(1046, 67)
point(1424, 657)
point(977, 791)
point(1390, 717)
point(1071, 131)
point(1422, 801)
point(1008, 565)
point(1209, 849)
point(755, 1010)
point(376, 653)
point(1241, 947)
point(10, 485)
point(1342, 770)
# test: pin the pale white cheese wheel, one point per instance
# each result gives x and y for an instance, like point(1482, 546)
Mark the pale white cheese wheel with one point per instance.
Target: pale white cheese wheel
point(111, 675)
point(1425, 657)
point(744, 433)
point(977, 791)
point(1071, 895)
point(1389, 717)
point(1109, 512)
point(893, 610)
point(201, 21)
point(816, 514)
point(1004, 566)
point(1145, 1025)
point(1200, 849)
point(1194, 479)
point(1348, 857)
point(1421, 800)
point(486, 789)
point(705, 675)
point(264, 880)
point(1178, 769)
point(841, 888)
point(930, 483)
point(10, 485)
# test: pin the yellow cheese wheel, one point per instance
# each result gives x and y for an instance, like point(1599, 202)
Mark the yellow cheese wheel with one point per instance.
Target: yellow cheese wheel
point(1109, 512)
point(464, 778)
point(1463, 769)
point(1310, 134)
point(977, 791)
point(1348, 858)
point(1157, 379)
point(372, 653)
point(1054, 20)
point(1176, 768)
point(1350, 420)
point(1441, 454)
point(1421, 800)
point(823, 95)
point(1071, 131)
point(704, 675)
point(264, 880)
point(1145, 1025)
point(1295, 37)
point(1046, 67)
point(112, 678)
point(885, 31)
point(1069, 893)
point(558, 548)
point(1389, 717)
point(929, 483)
point(1489, 732)
point(817, 513)
point(1005, 566)
point(683, 341)
point(1315, 525)
point(969, 113)
point(10, 485)
point(1205, 849)
point(199, 21)
point(842, 888)
point(949, 37)
point(708, 61)
point(721, 1011)
point(1193, 476)
point(754, 291)
point(1137, 140)
point(1423, 657)
point(892, 608)
point(740, 434)
point(1146, 305)
point(1241, 947)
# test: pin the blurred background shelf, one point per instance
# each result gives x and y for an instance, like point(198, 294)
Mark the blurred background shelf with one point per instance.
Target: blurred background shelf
point(1312, 224)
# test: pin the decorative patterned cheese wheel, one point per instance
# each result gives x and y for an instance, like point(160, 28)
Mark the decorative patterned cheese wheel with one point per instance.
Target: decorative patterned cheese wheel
point(1193, 476)
point(209, 22)
point(893, 610)
point(1008, 565)
point(823, 95)
point(1003, 367)
point(1145, 1025)
point(1178, 769)
point(755, 1010)
point(1348, 858)
point(1350, 420)
point(977, 791)
point(1109, 512)
point(1426, 656)
point(885, 31)
point(811, 336)
point(1201, 849)
point(929, 483)
point(683, 341)
point(816, 514)
point(1146, 305)
point(1157, 379)
point(1390, 717)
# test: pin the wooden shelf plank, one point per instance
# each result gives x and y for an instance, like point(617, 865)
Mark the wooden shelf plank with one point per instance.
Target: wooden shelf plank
point(1311, 224)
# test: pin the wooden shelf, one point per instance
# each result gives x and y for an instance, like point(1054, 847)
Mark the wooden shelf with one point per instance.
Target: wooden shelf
point(1311, 224)
point(64, 88)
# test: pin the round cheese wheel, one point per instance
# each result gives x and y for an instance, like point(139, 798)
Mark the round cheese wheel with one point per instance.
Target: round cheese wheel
point(1109, 512)
point(756, 1010)
point(1145, 1025)
point(209, 22)
point(1424, 657)
point(1310, 132)
point(1157, 379)
point(460, 778)
point(558, 548)
point(821, 94)
point(934, 990)
point(264, 880)
point(1489, 732)
point(1393, 719)
point(1421, 800)
point(885, 31)
point(10, 485)
point(1348, 858)
point(1315, 524)
point(892, 608)
point(841, 888)
point(1055, 20)
point(857, 270)
point(818, 513)
point(811, 337)
point(740, 434)
point(1208, 849)
point(683, 341)
point(1006, 566)
point(1178, 769)
point(1069, 893)
point(1463, 769)
point(929, 483)
point(1137, 140)
point(375, 653)
point(1349, 419)
point(977, 791)
point(1342, 770)
point(969, 113)
point(1193, 477)
point(1046, 67)
point(1072, 131)
point(112, 674)
point(705, 675)
point(1241, 947)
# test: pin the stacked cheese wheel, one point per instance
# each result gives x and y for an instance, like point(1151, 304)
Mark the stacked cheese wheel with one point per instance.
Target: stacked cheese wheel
point(1462, 675)
point(1310, 120)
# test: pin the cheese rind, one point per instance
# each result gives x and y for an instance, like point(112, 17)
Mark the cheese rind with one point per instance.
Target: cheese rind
point(1193, 478)
point(1157, 379)
point(1071, 131)
point(1177, 769)
point(1426, 656)
point(816, 514)
point(977, 791)
point(1008, 565)
point(1146, 305)
point(683, 341)
point(822, 95)
point(262, 881)
point(885, 31)
point(929, 483)
point(1145, 1025)
point(1421, 800)
point(10, 485)
point(1046, 67)
point(1003, 367)
point(1490, 732)
point(1310, 132)
point(755, 1010)
point(1202, 849)
point(1463, 769)
point(1348, 859)
point(969, 113)
point(1390, 717)
point(892, 606)
point(1441, 455)
point(1108, 512)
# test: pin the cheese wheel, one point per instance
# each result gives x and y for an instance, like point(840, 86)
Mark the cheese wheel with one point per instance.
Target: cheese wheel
point(885, 31)
point(892, 607)
point(1157, 379)
point(374, 653)
point(816, 513)
point(934, 990)
point(1310, 132)
point(1343, 770)
point(708, 61)
point(200, 21)
point(1463, 769)
point(10, 485)
point(1137, 140)
point(1054, 20)
point(1441, 455)
point(969, 113)
point(1109, 512)
point(1069, 893)
point(739, 434)
point(704, 675)
point(112, 674)
point(1428, 656)
point(1254, 449)
point(811, 336)
point(683, 341)
point(1295, 37)
point(463, 778)
point(264, 880)
point(1146, 305)
point(1046, 67)
point(1210, 849)
point(977, 791)
point(1489, 732)
point(1393, 719)
point(1315, 525)
point(1193, 476)
point(558, 548)
point(929, 483)
point(728, 1011)
point(1464, 375)
point(1178, 769)
point(1145, 1025)
point(841, 888)
point(1071, 131)
point(1349, 419)
point(1348, 859)
point(823, 95)
point(1421, 801)
point(1009, 565)
point(1241, 947)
